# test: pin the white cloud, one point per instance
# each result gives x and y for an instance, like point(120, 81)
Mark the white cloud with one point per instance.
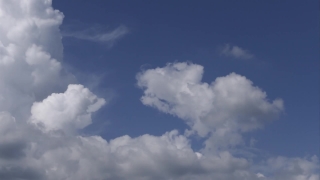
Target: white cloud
point(146, 157)
point(294, 168)
point(228, 105)
point(30, 54)
point(96, 35)
point(34, 88)
point(225, 108)
point(259, 175)
point(67, 111)
point(235, 52)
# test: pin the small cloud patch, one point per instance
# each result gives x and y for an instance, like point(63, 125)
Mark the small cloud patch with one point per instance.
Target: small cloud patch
point(235, 52)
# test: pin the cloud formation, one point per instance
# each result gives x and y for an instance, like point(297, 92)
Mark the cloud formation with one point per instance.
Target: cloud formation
point(235, 52)
point(41, 110)
point(95, 34)
point(224, 108)
point(67, 111)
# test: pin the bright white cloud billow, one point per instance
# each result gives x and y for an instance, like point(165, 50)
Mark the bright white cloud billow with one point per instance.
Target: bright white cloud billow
point(235, 52)
point(67, 111)
point(30, 54)
point(41, 110)
point(227, 106)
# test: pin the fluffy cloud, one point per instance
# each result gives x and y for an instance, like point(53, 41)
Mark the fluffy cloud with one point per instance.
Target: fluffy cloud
point(66, 111)
point(235, 52)
point(294, 168)
point(146, 157)
point(40, 115)
point(30, 54)
point(225, 107)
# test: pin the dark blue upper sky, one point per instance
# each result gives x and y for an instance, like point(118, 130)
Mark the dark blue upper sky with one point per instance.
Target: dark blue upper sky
point(282, 35)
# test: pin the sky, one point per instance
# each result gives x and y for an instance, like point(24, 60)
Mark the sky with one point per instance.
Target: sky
point(142, 90)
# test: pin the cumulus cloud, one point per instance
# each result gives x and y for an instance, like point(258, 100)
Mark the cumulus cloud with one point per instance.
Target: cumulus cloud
point(221, 111)
point(235, 52)
point(95, 34)
point(225, 107)
point(41, 110)
point(68, 111)
point(30, 54)
point(294, 168)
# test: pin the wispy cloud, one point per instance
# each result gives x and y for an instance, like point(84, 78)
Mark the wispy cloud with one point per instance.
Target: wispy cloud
point(96, 34)
point(235, 52)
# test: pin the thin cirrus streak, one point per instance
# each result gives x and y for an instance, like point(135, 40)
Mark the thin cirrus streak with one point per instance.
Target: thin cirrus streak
point(95, 34)
point(42, 111)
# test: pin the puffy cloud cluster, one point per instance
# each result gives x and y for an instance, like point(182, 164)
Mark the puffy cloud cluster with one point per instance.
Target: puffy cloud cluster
point(294, 168)
point(66, 111)
point(229, 105)
point(40, 115)
point(30, 54)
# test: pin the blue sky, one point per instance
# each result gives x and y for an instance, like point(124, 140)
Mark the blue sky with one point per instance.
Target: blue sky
point(161, 90)
point(282, 36)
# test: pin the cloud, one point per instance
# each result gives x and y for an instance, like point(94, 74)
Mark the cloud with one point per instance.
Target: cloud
point(41, 109)
point(228, 104)
point(95, 34)
point(68, 111)
point(235, 52)
point(30, 54)
point(293, 168)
